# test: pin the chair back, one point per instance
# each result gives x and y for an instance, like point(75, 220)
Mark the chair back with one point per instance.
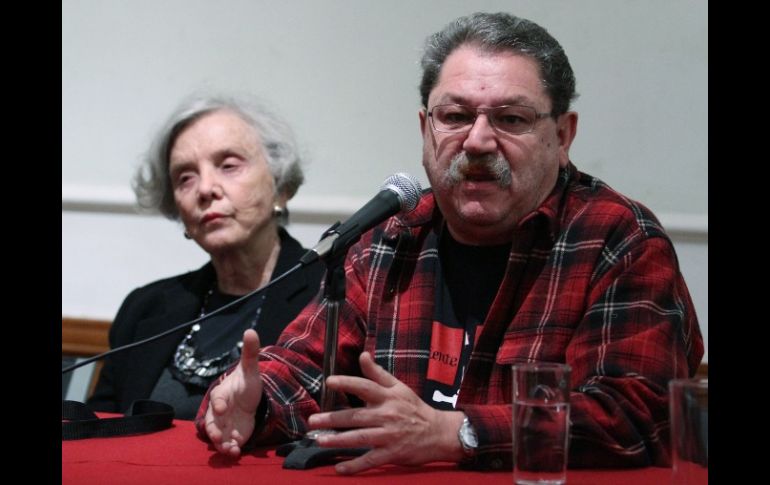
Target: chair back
point(82, 338)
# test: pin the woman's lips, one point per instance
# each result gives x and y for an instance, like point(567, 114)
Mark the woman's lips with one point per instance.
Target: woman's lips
point(210, 217)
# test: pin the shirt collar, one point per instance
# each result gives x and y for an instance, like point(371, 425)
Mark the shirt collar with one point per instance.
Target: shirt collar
point(551, 207)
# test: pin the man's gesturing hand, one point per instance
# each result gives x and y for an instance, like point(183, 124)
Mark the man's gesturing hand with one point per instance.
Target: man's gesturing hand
point(399, 426)
point(233, 403)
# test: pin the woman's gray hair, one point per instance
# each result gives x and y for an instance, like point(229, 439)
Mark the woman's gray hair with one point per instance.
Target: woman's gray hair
point(152, 184)
point(495, 32)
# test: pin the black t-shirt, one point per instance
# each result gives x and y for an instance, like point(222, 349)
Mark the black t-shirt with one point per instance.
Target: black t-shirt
point(468, 278)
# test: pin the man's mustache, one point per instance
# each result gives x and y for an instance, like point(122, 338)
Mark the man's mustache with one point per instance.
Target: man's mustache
point(495, 165)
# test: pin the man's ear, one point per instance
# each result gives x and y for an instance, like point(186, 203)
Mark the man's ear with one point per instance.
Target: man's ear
point(566, 129)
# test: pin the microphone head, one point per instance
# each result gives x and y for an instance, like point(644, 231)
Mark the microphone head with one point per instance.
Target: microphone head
point(406, 187)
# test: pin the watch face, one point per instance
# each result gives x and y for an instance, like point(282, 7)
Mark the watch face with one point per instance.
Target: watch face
point(468, 435)
point(472, 440)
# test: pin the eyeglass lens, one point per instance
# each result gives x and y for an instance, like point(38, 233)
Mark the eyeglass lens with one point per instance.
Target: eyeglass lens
point(510, 119)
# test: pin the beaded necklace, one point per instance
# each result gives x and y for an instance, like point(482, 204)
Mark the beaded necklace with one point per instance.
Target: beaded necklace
point(190, 367)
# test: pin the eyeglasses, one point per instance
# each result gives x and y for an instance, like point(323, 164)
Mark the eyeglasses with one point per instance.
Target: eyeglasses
point(511, 119)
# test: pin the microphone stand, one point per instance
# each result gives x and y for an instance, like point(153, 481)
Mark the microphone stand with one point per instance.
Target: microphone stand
point(305, 453)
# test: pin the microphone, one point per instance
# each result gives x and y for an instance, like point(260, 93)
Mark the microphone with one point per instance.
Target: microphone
point(399, 192)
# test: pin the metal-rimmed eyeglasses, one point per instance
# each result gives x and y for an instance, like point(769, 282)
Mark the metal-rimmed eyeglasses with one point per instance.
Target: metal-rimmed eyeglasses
point(513, 119)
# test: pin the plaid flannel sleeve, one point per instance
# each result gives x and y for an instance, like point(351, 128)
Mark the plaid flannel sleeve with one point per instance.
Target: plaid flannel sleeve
point(639, 331)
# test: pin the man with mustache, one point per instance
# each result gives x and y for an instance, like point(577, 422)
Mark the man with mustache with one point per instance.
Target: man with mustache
point(513, 256)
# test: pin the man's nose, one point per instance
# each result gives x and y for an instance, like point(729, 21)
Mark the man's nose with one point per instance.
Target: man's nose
point(482, 137)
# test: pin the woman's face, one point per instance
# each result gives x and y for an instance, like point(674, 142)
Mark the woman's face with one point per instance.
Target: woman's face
point(222, 185)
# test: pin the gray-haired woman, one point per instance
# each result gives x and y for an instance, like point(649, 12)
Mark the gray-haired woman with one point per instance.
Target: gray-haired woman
point(226, 168)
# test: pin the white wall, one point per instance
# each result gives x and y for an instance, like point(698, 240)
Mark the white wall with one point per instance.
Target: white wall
point(345, 73)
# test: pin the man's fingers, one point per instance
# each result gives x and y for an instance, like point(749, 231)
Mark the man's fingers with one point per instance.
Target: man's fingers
point(226, 441)
point(250, 353)
point(214, 432)
point(233, 402)
point(374, 372)
point(231, 448)
point(372, 388)
point(369, 391)
point(355, 438)
point(370, 459)
point(218, 403)
point(345, 418)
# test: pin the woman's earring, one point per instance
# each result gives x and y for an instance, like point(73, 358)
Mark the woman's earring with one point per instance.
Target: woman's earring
point(187, 236)
point(281, 213)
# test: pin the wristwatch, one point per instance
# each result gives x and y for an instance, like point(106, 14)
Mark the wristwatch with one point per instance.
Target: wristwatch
point(468, 439)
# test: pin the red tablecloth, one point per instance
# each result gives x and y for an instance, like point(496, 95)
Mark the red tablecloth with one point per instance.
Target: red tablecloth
point(175, 456)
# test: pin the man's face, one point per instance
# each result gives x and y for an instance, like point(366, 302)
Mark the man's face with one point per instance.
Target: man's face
point(486, 180)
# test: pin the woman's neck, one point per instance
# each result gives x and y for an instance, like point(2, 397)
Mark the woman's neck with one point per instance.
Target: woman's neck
point(240, 272)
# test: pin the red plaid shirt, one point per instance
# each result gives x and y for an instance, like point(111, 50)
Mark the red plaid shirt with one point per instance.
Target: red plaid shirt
point(592, 280)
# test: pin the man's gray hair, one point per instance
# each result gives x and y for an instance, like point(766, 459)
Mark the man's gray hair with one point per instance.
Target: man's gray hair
point(496, 32)
point(152, 183)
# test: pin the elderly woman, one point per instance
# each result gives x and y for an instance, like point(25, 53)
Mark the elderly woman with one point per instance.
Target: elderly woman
point(226, 168)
